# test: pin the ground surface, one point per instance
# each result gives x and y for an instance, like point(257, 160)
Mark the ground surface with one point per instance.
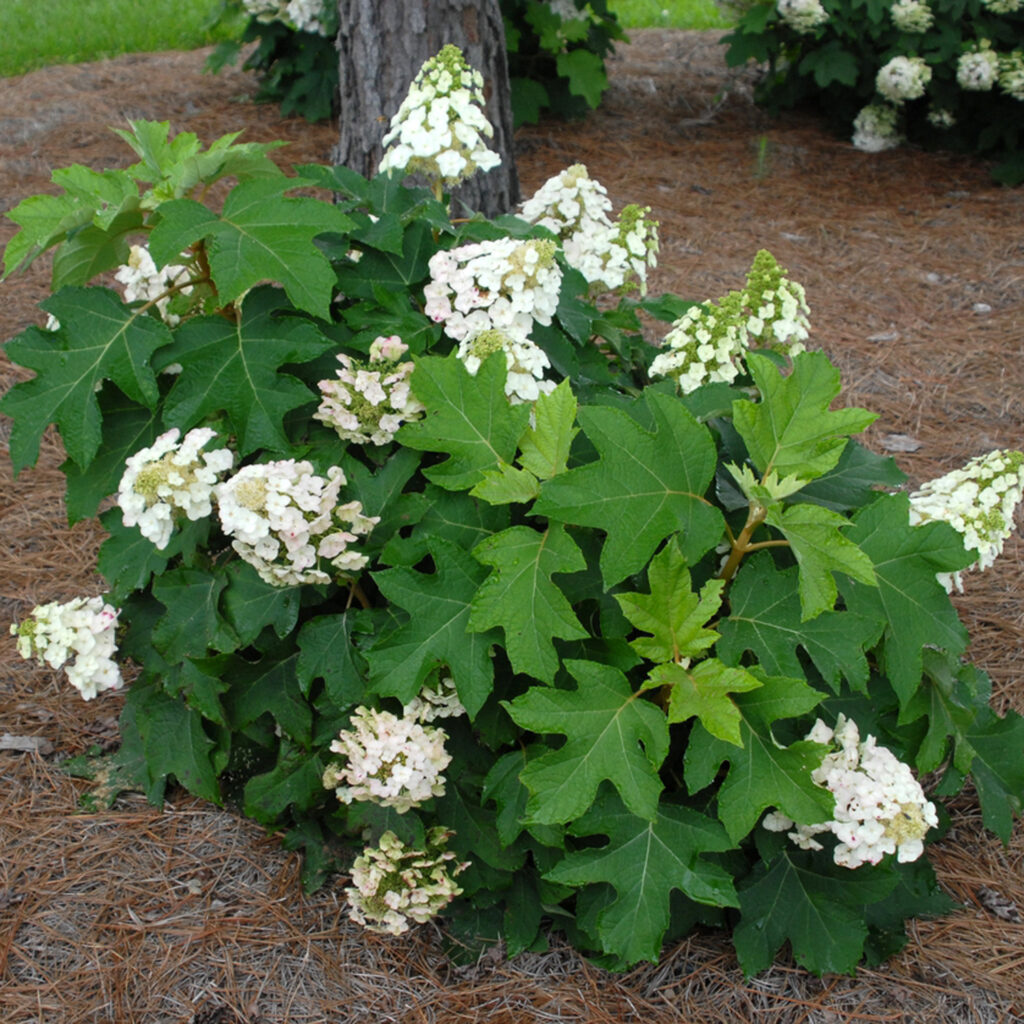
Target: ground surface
point(914, 269)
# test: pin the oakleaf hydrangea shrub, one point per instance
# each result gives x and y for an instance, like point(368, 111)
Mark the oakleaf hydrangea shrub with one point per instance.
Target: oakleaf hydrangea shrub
point(944, 75)
point(424, 558)
point(556, 52)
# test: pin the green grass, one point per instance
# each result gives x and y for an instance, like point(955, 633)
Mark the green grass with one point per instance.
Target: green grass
point(34, 33)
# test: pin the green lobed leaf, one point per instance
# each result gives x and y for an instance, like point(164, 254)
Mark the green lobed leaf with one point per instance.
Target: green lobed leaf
point(544, 448)
point(645, 486)
point(520, 597)
point(192, 625)
point(792, 430)
point(671, 612)
point(468, 417)
point(506, 485)
point(611, 733)
point(585, 72)
point(503, 786)
point(765, 618)
point(251, 605)
point(295, 781)
point(270, 686)
point(998, 768)
point(645, 860)
point(762, 773)
point(90, 250)
point(100, 339)
point(126, 559)
point(327, 651)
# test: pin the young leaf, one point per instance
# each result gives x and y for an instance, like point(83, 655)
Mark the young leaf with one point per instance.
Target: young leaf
point(645, 860)
point(611, 733)
point(100, 339)
point(703, 690)
point(520, 597)
point(765, 618)
point(792, 430)
point(467, 417)
point(506, 485)
point(762, 773)
point(436, 633)
point(234, 366)
point(820, 550)
point(544, 448)
point(260, 235)
point(645, 486)
point(909, 599)
point(671, 612)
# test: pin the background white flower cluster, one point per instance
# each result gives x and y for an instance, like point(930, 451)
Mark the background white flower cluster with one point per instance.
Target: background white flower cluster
point(303, 15)
point(83, 628)
point(802, 15)
point(880, 806)
point(979, 500)
point(609, 254)
point(440, 128)
point(394, 885)
point(368, 402)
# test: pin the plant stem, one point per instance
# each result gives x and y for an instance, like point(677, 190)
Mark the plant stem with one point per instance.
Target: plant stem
point(741, 545)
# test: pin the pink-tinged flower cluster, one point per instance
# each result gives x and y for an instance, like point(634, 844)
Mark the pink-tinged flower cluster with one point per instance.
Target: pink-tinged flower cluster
point(391, 761)
point(286, 521)
point(433, 702)
point(394, 886)
point(169, 481)
point(83, 629)
point(880, 806)
point(369, 401)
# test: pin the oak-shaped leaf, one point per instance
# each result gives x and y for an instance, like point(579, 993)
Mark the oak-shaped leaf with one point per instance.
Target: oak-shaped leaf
point(521, 598)
point(765, 618)
point(250, 604)
point(468, 417)
point(327, 651)
point(645, 486)
point(435, 633)
point(645, 860)
point(100, 339)
point(672, 613)
point(192, 624)
point(611, 733)
point(792, 430)
point(259, 235)
point(234, 366)
point(762, 773)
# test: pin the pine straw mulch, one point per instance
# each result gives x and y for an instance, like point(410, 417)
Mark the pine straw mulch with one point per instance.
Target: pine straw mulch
point(914, 267)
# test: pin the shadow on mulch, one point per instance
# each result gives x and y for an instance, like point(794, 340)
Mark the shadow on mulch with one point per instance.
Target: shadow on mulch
point(914, 269)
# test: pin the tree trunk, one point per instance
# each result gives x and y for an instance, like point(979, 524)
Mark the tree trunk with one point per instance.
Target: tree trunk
point(381, 47)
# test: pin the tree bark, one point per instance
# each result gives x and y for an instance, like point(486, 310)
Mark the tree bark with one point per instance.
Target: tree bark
point(381, 47)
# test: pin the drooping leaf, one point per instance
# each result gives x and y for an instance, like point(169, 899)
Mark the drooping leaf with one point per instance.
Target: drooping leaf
point(792, 430)
point(296, 781)
point(671, 612)
point(611, 733)
point(645, 860)
point(436, 632)
point(91, 250)
point(998, 768)
point(646, 485)
point(857, 475)
point(468, 417)
point(820, 550)
point(100, 339)
point(762, 773)
point(914, 606)
point(520, 597)
point(261, 234)
point(234, 366)
point(765, 618)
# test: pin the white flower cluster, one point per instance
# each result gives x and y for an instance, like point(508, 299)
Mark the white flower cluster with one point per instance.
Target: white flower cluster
point(576, 208)
point(802, 15)
point(1011, 74)
point(169, 480)
point(391, 761)
point(708, 342)
point(979, 501)
point(393, 885)
point(978, 69)
point(912, 15)
point(876, 128)
point(440, 127)
point(83, 628)
point(303, 15)
point(880, 806)
point(1003, 6)
point(903, 78)
point(368, 402)
point(431, 703)
point(941, 117)
point(284, 519)
point(488, 296)
point(142, 281)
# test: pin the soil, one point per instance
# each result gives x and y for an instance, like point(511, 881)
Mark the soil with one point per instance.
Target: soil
point(914, 268)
